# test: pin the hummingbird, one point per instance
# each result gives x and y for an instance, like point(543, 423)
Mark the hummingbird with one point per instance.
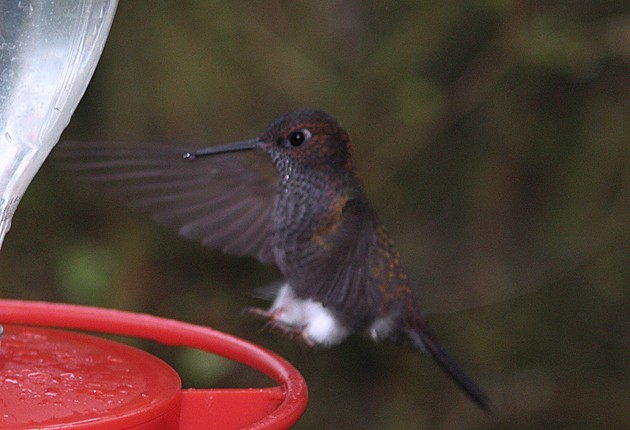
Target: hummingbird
point(290, 197)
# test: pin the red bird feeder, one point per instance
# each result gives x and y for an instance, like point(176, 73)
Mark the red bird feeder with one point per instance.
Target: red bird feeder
point(52, 378)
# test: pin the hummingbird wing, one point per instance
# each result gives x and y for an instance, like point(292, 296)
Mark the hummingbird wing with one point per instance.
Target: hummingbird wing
point(356, 269)
point(339, 272)
point(361, 277)
point(222, 201)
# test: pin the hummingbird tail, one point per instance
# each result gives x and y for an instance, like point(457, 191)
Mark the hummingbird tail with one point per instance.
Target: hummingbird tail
point(422, 339)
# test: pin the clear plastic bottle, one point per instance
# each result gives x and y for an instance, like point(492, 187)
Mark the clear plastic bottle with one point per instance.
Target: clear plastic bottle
point(48, 52)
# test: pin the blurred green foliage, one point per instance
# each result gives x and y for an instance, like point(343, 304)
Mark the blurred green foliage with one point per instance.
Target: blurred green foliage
point(494, 140)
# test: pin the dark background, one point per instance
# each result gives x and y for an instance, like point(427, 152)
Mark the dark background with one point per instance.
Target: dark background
point(493, 138)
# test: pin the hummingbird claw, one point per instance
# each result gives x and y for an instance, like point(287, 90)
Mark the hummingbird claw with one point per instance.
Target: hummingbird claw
point(259, 313)
point(273, 322)
point(293, 333)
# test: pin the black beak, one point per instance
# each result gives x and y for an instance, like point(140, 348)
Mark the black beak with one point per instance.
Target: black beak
point(243, 145)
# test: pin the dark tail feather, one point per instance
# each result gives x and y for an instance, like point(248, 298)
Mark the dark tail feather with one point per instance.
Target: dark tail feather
point(423, 340)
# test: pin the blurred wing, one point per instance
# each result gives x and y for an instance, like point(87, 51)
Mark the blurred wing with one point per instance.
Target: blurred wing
point(460, 271)
point(343, 278)
point(223, 201)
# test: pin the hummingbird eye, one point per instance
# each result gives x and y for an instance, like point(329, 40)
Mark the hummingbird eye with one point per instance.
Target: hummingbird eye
point(299, 137)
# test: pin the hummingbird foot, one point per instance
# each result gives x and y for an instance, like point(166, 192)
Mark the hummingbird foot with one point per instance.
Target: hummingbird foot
point(259, 313)
point(303, 318)
point(273, 321)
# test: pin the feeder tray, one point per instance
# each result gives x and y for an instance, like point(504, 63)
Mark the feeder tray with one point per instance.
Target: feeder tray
point(51, 378)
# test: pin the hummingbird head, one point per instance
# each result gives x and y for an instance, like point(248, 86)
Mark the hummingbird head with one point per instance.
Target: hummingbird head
point(308, 139)
point(302, 139)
